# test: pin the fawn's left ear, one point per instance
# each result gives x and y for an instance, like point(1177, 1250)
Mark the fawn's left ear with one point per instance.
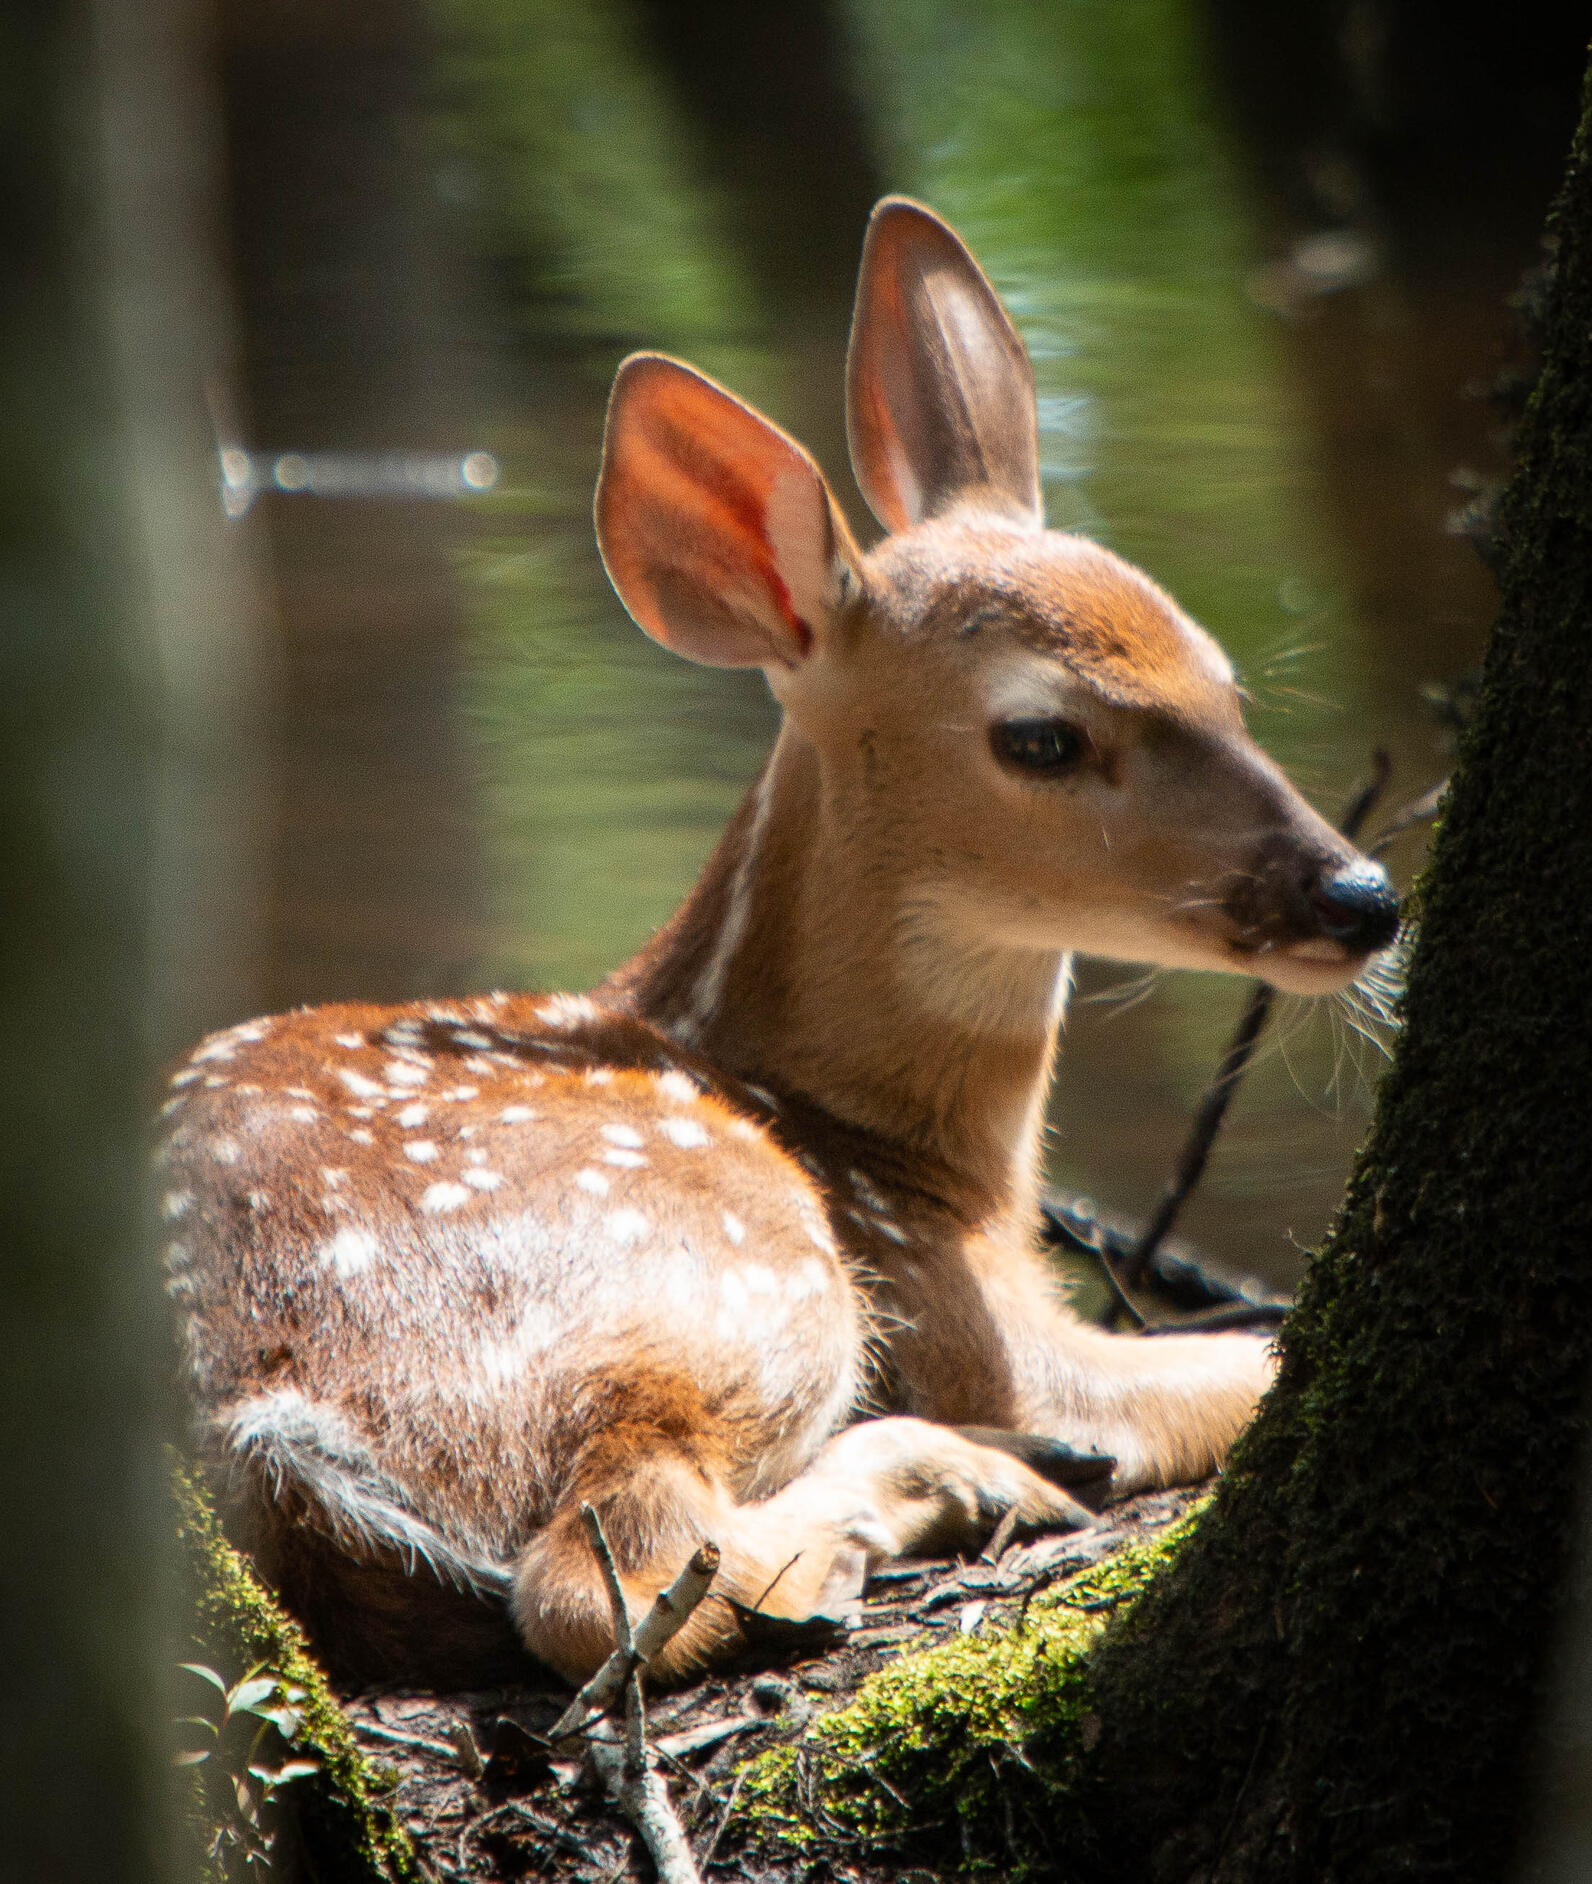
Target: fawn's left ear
point(939, 386)
point(717, 530)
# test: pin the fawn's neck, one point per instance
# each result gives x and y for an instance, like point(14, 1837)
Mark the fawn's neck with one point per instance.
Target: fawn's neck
point(806, 961)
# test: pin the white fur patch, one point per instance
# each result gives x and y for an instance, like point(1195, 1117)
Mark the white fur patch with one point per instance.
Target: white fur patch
point(625, 1226)
point(350, 1251)
point(686, 1133)
point(734, 1229)
point(622, 1135)
point(440, 1197)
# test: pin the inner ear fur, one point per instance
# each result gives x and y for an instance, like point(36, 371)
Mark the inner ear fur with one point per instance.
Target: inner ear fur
point(940, 404)
point(717, 530)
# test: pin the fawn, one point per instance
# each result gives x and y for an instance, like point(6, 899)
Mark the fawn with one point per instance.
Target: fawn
point(740, 1246)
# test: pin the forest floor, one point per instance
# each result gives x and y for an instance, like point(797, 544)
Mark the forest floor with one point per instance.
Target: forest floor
point(481, 1798)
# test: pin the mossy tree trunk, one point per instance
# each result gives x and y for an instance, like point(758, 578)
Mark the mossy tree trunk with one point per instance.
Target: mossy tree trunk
point(1339, 1678)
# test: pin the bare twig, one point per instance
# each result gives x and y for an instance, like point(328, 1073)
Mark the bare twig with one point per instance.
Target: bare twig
point(1212, 1108)
point(626, 1770)
point(1418, 811)
point(656, 1629)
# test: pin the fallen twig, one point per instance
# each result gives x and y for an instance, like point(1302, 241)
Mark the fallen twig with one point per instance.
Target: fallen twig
point(637, 1647)
point(626, 1771)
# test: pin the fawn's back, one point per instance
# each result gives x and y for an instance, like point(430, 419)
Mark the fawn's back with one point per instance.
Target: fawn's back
point(449, 1271)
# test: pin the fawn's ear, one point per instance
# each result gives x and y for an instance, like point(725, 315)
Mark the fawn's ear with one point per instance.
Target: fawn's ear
point(717, 530)
point(939, 386)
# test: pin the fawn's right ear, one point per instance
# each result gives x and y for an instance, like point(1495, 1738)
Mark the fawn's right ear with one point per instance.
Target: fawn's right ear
point(717, 530)
point(939, 386)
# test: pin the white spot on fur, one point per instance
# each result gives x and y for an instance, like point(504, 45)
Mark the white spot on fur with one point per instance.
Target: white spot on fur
point(467, 1039)
point(351, 1041)
point(685, 1133)
point(886, 1226)
point(622, 1135)
point(175, 1204)
point(185, 1079)
point(421, 1150)
point(445, 1197)
point(869, 1195)
point(759, 1279)
point(481, 1180)
point(173, 1105)
point(457, 1095)
point(258, 1202)
point(225, 1150)
point(745, 1128)
point(303, 1115)
point(592, 1181)
point(360, 1136)
point(812, 1220)
point(734, 1229)
point(298, 1092)
point(598, 1075)
point(626, 1160)
point(680, 1087)
point(357, 1083)
point(812, 1278)
point(404, 1073)
point(215, 1082)
point(624, 1226)
point(566, 1010)
point(332, 1176)
point(221, 1048)
point(350, 1251)
point(177, 1255)
point(414, 1115)
point(180, 1288)
point(516, 1115)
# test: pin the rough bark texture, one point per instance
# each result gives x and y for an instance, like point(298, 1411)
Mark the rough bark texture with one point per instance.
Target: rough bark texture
point(1339, 1678)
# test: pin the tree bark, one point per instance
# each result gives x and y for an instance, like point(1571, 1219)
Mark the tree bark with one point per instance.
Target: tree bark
point(1339, 1677)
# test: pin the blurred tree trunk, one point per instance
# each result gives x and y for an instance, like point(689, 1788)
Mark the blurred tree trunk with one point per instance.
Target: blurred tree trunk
point(1340, 1678)
point(122, 775)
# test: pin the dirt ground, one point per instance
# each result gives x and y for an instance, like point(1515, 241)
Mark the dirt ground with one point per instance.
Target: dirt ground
point(480, 1796)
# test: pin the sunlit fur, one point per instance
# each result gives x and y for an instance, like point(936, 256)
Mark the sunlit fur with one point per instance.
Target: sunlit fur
point(730, 1247)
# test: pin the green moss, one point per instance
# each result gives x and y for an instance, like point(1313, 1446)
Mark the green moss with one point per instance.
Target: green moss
point(982, 1736)
point(349, 1830)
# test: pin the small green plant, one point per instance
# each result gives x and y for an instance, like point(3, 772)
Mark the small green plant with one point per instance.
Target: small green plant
point(245, 1749)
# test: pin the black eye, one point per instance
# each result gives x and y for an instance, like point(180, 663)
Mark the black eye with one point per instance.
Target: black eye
point(1038, 745)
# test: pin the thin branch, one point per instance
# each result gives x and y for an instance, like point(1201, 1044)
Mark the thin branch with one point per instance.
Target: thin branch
point(626, 1770)
point(667, 1616)
point(616, 1594)
point(1418, 811)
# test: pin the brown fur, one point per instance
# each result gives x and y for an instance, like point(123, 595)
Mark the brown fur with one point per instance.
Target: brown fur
point(729, 1248)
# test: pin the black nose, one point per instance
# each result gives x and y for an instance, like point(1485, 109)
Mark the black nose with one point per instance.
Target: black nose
point(1356, 906)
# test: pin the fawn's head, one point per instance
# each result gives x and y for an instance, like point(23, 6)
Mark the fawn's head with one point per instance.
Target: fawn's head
point(1047, 752)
